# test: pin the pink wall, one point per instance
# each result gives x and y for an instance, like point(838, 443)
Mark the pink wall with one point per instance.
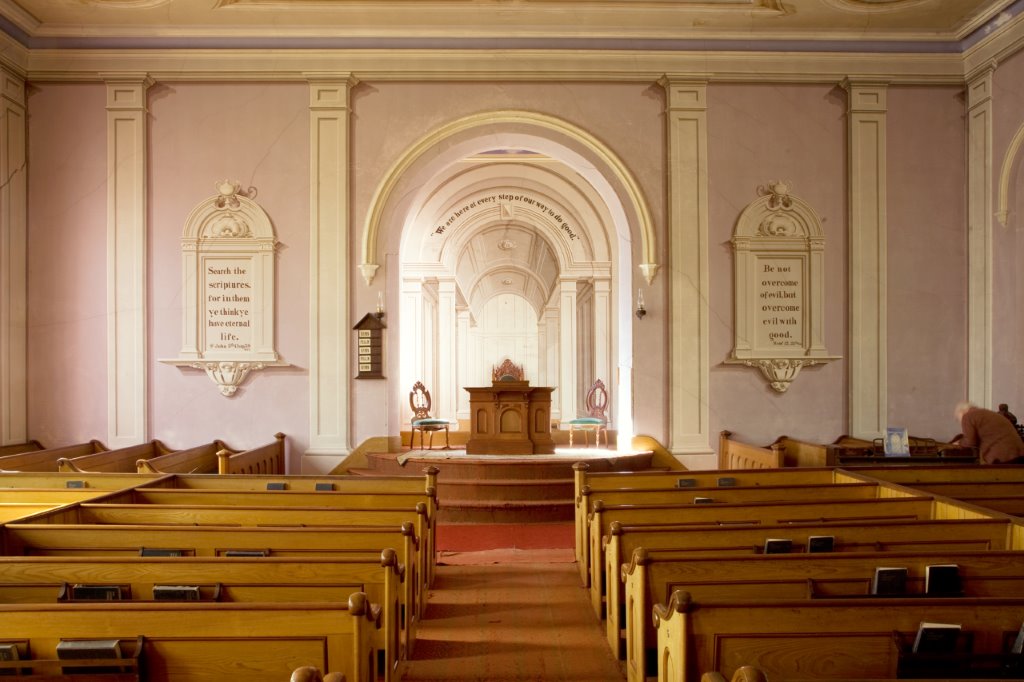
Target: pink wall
point(389, 117)
point(927, 251)
point(1007, 242)
point(758, 134)
point(258, 134)
point(67, 250)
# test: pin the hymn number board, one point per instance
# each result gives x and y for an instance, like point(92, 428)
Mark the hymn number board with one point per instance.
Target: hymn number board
point(369, 347)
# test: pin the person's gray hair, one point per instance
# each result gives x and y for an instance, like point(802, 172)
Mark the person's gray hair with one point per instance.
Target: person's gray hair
point(961, 408)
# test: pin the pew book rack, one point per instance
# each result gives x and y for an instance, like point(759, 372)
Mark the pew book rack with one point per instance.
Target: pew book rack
point(954, 657)
point(92, 661)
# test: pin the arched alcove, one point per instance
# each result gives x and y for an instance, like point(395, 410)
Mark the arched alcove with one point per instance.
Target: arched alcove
point(511, 203)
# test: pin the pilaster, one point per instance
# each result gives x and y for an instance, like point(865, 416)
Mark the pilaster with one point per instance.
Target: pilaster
point(979, 238)
point(462, 397)
point(567, 348)
point(330, 339)
point(127, 399)
point(866, 108)
point(686, 120)
point(13, 261)
point(447, 391)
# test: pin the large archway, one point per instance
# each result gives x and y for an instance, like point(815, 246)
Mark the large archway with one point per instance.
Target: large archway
point(520, 212)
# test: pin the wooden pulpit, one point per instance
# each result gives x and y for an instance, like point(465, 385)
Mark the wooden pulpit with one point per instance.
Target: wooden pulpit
point(510, 418)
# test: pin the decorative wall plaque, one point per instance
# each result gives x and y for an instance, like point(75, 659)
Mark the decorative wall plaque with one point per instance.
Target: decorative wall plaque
point(370, 346)
point(228, 251)
point(778, 249)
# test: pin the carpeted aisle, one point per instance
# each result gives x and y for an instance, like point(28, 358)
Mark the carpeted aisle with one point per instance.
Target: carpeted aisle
point(511, 622)
point(477, 544)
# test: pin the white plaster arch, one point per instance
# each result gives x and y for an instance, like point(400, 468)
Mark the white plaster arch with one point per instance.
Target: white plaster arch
point(591, 158)
point(606, 206)
point(1006, 175)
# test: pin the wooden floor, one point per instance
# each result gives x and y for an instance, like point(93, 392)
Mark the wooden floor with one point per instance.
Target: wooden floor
point(511, 621)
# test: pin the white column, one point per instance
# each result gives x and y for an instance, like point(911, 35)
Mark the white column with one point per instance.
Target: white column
point(330, 327)
point(686, 119)
point(446, 394)
point(603, 336)
point(979, 238)
point(410, 308)
point(13, 266)
point(552, 353)
point(462, 373)
point(868, 235)
point(127, 408)
point(567, 348)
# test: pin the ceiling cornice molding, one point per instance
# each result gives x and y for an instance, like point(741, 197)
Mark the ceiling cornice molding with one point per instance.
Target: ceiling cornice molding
point(17, 15)
point(996, 48)
point(481, 65)
point(13, 54)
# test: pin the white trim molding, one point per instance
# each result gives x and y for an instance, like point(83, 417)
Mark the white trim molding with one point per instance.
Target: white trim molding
point(13, 268)
point(127, 399)
point(1006, 175)
point(330, 330)
point(868, 364)
point(979, 238)
point(687, 169)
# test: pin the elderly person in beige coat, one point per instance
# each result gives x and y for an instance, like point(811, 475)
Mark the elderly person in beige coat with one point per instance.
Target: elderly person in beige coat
point(992, 433)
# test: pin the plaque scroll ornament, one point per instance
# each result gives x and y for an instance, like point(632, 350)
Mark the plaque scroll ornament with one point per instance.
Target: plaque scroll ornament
point(778, 248)
point(228, 250)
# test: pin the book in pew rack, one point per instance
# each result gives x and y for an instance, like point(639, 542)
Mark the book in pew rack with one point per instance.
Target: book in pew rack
point(778, 546)
point(1018, 643)
point(936, 638)
point(889, 580)
point(942, 580)
point(821, 543)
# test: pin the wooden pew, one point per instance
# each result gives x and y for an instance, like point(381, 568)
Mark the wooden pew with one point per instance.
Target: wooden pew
point(118, 460)
point(285, 485)
point(264, 460)
point(624, 480)
point(734, 454)
point(67, 540)
point(202, 459)
point(53, 480)
point(197, 641)
point(651, 578)
point(46, 460)
point(793, 511)
point(821, 638)
point(39, 579)
point(911, 476)
point(19, 448)
point(978, 535)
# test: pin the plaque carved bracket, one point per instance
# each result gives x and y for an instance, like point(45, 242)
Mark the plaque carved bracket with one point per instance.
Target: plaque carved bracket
point(778, 249)
point(228, 251)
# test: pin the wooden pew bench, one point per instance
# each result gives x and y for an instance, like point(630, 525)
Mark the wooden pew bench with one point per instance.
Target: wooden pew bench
point(270, 579)
point(265, 460)
point(201, 459)
point(46, 460)
point(625, 480)
point(20, 448)
point(119, 460)
point(910, 476)
point(795, 511)
point(70, 540)
point(692, 495)
point(284, 487)
point(976, 535)
point(651, 578)
point(734, 454)
point(197, 641)
point(53, 480)
point(821, 638)
point(263, 516)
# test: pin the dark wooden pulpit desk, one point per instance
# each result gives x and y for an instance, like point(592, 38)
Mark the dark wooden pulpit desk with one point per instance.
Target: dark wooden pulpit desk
point(510, 418)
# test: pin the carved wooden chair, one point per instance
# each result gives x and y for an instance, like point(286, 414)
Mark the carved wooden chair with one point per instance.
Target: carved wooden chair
point(419, 401)
point(595, 419)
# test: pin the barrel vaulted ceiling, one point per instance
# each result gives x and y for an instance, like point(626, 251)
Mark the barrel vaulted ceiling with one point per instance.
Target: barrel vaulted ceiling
point(932, 25)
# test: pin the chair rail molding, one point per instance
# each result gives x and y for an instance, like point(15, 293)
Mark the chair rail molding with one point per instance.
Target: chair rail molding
point(227, 257)
point(779, 248)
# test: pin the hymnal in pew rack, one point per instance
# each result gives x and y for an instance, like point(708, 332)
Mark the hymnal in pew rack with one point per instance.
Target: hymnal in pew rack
point(942, 580)
point(778, 545)
point(936, 638)
point(821, 543)
point(889, 581)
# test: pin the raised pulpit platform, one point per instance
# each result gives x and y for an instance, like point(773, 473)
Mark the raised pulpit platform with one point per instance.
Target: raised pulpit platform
point(510, 418)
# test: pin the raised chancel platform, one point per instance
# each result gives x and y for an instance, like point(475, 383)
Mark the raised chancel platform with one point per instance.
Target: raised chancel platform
point(505, 488)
